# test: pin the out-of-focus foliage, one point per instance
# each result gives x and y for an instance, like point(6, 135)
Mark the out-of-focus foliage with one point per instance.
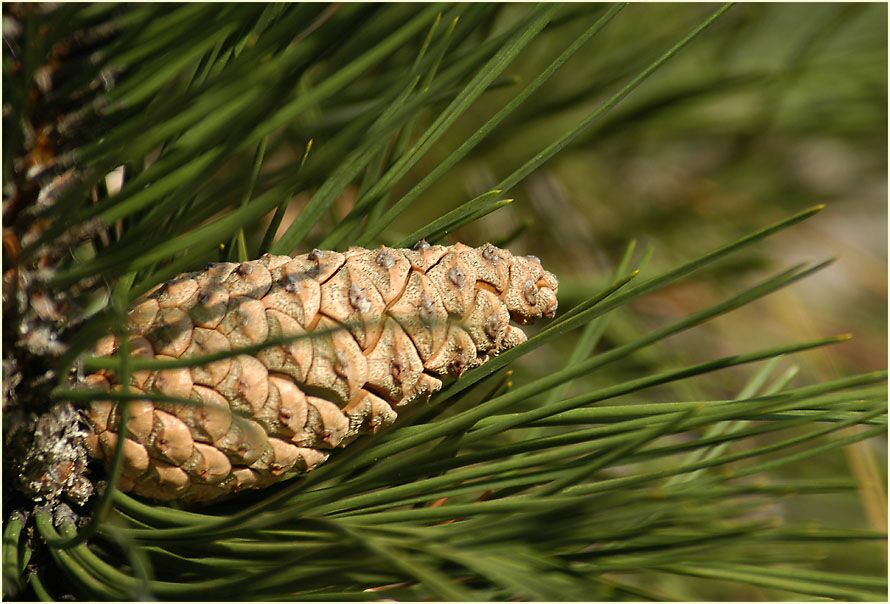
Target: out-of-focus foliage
point(783, 106)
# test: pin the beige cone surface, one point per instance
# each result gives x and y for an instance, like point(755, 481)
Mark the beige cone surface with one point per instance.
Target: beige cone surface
point(388, 321)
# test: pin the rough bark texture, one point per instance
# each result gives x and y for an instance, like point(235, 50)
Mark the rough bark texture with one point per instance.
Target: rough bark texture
point(53, 106)
point(383, 323)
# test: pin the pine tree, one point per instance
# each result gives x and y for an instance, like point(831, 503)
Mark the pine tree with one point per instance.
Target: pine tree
point(142, 142)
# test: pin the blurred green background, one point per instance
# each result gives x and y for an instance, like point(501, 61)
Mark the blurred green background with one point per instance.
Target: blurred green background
point(778, 107)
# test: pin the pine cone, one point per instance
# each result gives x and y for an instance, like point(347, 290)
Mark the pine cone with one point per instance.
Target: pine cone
point(386, 319)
